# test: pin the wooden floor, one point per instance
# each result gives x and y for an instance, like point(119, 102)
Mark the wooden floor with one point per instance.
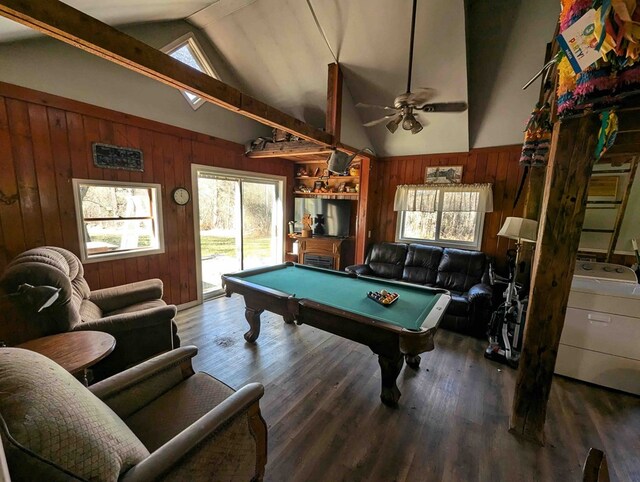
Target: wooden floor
point(326, 422)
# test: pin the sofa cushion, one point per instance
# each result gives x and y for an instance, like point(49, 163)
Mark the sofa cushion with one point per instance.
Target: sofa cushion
point(421, 264)
point(386, 260)
point(195, 396)
point(58, 426)
point(89, 311)
point(460, 269)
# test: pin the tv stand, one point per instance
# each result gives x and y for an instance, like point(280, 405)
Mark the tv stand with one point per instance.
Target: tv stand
point(323, 251)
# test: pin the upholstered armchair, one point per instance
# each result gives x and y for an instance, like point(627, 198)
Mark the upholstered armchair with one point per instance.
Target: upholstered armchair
point(156, 421)
point(135, 314)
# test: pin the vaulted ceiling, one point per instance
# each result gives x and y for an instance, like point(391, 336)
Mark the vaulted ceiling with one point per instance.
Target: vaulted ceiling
point(279, 55)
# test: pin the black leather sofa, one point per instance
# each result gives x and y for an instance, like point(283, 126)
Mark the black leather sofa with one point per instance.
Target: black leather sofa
point(464, 273)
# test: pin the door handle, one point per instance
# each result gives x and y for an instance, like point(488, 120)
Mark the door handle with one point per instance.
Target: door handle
point(599, 318)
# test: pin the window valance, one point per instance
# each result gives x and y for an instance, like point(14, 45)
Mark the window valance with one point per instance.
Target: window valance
point(450, 198)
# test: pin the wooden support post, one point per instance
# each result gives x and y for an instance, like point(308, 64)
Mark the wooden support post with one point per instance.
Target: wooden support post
point(563, 208)
point(532, 204)
point(533, 200)
point(334, 102)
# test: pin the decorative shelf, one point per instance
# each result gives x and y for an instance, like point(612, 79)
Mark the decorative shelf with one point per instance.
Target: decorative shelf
point(329, 178)
point(327, 194)
point(297, 151)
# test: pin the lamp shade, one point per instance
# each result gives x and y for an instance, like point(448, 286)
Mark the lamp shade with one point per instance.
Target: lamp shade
point(520, 229)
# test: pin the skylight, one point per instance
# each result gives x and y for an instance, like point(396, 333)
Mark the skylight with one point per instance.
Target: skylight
point(187, 50)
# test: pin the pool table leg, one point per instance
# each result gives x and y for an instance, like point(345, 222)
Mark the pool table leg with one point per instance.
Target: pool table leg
point(413, 361)
point(390, 367)
point(253, 317)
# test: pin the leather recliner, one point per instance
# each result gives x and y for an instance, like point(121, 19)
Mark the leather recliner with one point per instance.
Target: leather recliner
point(464, 273)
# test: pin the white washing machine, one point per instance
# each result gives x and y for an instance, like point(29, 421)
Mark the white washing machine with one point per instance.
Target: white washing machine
point(600, 342)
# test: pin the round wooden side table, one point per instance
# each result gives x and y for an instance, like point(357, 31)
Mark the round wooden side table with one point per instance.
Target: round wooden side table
point(75, 351)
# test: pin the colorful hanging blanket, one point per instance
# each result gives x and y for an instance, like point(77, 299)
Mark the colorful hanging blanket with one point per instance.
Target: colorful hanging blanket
point(617, 37)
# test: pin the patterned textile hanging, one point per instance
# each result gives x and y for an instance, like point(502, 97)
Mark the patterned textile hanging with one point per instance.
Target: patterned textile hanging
point(537, 137)
point(616, 36)
point(608, 132)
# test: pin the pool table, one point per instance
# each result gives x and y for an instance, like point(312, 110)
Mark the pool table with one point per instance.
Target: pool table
point(337, 302)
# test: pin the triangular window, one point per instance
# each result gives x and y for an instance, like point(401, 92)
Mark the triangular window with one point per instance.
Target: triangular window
point(187, 50)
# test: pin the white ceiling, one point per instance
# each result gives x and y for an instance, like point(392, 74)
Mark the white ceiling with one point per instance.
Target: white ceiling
point(116, 12)
point(277, 52)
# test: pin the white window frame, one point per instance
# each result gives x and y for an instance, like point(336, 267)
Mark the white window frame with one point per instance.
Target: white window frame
point(113, 255)
point(474, 245)
point(190, 40)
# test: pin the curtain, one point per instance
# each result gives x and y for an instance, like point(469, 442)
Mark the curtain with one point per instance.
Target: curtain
point(416, 198)
point(449, 198)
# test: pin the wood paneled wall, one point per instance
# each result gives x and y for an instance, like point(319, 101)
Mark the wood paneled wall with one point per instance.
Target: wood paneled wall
point(498, 166)
point(45, 141)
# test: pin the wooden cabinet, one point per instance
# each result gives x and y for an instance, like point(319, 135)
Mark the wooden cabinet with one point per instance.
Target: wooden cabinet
point(312, 178)
point(331, 253)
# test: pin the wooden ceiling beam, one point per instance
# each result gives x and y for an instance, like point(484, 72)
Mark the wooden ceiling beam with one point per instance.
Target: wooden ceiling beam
point(71, 26)
point(333, 123)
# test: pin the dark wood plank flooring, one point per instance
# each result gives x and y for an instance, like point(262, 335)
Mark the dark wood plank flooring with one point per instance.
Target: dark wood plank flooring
point(326, 422)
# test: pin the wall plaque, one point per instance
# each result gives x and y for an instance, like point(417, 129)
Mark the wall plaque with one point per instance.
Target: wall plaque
point(114, 157)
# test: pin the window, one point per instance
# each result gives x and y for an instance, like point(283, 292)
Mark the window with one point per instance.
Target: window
point(187, 50)
point(449, 216)
point(117, 219)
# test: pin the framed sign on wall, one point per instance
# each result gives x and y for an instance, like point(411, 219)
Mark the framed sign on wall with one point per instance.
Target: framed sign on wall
point(114, 157)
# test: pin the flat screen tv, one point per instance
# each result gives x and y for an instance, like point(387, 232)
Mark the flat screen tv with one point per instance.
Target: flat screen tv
point(336, 212)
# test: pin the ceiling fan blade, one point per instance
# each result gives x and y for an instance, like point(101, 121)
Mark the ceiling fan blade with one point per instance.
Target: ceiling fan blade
point(444, 107)
point(420, 96)
point(379, 121)
point(374, 106)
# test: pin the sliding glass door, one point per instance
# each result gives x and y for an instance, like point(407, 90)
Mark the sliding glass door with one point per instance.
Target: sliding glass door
point(240, 218)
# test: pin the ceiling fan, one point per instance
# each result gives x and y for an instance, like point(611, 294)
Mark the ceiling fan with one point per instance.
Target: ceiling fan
point(405, 104)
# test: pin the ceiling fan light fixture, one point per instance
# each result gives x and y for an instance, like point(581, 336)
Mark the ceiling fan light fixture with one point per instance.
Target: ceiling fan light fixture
point(417, 127)
point(408, 122)
point(392, 125)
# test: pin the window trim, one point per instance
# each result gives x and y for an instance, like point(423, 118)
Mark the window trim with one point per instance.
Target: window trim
point(474, 246)
point(190, 40)
point(111, 256)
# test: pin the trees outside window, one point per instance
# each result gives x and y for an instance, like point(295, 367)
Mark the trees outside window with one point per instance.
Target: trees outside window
point(118, 219)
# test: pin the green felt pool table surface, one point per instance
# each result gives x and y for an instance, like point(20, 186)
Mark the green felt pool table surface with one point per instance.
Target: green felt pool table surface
point(338, 290)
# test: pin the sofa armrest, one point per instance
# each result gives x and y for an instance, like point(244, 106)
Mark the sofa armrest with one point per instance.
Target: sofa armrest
point(359, 269)
point(132, 389)
point(480, 293)
point(117, 297)
point(191, 439)
point(125, 322)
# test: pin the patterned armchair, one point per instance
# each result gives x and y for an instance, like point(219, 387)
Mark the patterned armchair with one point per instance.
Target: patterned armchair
point(135, 314)
point(156, 421)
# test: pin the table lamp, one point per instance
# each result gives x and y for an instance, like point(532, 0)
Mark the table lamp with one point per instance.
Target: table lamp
point(518, 229)
point(39, 297)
